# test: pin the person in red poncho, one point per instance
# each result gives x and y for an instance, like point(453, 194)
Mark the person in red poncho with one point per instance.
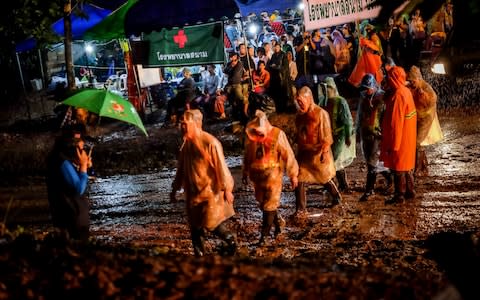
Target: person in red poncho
point(399, 131)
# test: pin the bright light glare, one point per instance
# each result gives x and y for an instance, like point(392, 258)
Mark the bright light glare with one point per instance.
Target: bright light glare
point(89, 48)
point(438, 69)
point(253, 28)
point(301, 6)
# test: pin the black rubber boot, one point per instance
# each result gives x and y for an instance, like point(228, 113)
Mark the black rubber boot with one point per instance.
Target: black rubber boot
point(267, 222)
point(279, 223)
point(400, 185)
point(388, 175)
point(300, 198)
point(342, 181)
point(198, 241)
point(370, 184)
point(410, 186)
point(333, 190)
point(227, 236)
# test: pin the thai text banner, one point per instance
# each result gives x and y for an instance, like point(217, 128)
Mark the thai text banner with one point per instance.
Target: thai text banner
point(190, 45)
point(326, 13)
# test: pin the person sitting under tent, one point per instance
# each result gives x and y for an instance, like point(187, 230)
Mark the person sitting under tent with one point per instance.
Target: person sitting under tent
point(185, 94)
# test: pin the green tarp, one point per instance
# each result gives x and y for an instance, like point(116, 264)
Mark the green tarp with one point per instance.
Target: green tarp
point(112, 27)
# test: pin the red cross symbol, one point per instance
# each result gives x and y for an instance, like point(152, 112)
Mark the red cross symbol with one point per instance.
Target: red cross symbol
point(180, 38)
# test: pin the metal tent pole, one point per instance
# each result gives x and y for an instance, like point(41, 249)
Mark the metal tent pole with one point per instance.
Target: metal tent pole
point(21, 73)
point(40, 60)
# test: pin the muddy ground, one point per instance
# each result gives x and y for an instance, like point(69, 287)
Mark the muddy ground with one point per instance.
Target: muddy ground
point(140, 246)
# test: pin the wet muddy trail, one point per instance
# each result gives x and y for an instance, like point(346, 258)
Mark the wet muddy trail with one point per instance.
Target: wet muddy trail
point(356, 250)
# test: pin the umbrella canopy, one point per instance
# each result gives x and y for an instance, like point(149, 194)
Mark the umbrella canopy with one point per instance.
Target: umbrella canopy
point(106, 104)
point(150, 15)
point(112, 27)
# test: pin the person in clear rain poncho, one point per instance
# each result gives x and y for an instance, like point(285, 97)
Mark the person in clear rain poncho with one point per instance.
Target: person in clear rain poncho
point(267, 154)
point(314, 155)
point(207, 181)
point(428, 127)
point(368, 127)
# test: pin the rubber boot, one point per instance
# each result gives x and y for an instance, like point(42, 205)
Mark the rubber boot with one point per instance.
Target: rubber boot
point(370, 184)
point(333, 190)
point(421, 163)
point(198, 241)
point(300, 198)
point(400, 185)
point(227, 236)
point(279, 223)
point(267, 222)
point(342, 181)
point(410, 186)
point(388, 175)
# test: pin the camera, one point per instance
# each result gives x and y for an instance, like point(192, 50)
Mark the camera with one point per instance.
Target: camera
point(88, 146)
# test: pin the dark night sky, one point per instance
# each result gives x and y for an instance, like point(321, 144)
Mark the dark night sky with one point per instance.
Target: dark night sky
point(109, 4)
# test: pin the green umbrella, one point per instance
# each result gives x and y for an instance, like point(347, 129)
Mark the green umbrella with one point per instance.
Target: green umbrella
point(106, 104)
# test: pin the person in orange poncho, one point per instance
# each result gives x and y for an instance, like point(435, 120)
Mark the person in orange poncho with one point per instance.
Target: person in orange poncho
point(208, 184)
point(370, 58)
point(267, 154)
point(428, 127)
point(399, 131)
point(314, 155)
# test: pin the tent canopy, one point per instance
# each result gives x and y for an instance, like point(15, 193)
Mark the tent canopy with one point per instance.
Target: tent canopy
point(79, 25)
point(150, 15)
point(259, 6)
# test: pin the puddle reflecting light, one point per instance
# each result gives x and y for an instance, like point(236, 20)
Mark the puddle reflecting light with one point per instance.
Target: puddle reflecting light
point(438, 68)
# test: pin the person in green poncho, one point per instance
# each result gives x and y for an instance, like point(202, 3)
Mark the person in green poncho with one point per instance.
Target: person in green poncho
point(341, 120)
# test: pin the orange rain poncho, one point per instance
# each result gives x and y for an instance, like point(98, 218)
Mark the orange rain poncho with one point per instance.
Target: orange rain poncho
point(399, 126)
point(267, 154)
point(369, 61)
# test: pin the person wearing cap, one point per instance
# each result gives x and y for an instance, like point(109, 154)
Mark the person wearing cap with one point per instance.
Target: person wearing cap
point(67, 181)
point(234, 71)
point(399, 131)
point(185, 94)
point(428, 127)
point(371, 108)
point(341, 120)
point(203, 173)
point(314, 155)
point(351, 44)
point(267, 155)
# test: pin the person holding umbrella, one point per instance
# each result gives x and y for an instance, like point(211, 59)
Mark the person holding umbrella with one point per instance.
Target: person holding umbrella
point(67, 182)
point(208, 183)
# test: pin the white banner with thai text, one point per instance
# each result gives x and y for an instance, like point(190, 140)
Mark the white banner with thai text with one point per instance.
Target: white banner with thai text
point(326, 13)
